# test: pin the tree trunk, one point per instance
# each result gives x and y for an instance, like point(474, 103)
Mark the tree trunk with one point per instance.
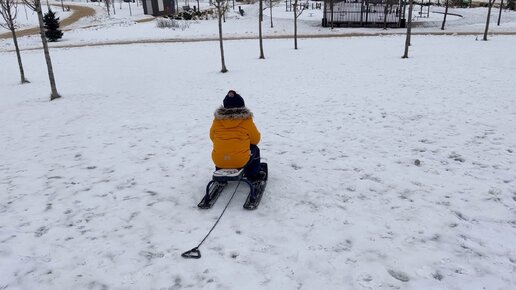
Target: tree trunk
point(295, 24)
point(260, 18)
point(488, 18)
point(331, 16)
point(500, 13)
point(20, 65)
point(62, 5)
point(9, 18)
point(54, 95)
point(224, 69)
point(224, 15)
point(270, 2)
point(445, 14)
point(25, 8)
point(409, 29)
point(385, 15)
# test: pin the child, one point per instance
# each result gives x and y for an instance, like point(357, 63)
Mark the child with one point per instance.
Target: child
point(235, 137)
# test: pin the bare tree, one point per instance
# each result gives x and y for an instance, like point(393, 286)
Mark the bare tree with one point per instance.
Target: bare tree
point(260, 20)
point(220, 4)
point(331, 16)
point(409, 29)
point(445, 14)
point(224, 10)
point(296, 16)
point(491, 2)
point(385, 11)
point(271, 5)
point(9, 12)
point(108, 4)
point(36, 6)
point(388, 7)
point(500, 13)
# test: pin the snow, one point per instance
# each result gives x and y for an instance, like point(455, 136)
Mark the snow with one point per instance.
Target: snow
point(102, 28)
point(27, 18)
point(99, 188)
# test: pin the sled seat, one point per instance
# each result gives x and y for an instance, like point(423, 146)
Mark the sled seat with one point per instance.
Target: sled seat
point(224, 175)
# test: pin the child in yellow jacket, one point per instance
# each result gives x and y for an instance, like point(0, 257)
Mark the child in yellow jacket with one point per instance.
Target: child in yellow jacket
point(235, 137)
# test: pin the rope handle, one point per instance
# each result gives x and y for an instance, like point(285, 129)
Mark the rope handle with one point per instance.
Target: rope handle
point(195, 253)
point(192, 254)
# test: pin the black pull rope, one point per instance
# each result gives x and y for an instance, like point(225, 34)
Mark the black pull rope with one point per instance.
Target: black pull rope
point(195, 253)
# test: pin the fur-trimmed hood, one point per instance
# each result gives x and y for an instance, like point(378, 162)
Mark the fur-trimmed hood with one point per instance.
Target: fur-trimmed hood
point(241, 113)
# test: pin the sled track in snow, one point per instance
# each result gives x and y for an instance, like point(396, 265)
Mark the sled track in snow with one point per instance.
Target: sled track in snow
point(186, 40)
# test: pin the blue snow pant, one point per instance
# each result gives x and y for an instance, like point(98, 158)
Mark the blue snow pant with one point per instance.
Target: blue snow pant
point(253, 165)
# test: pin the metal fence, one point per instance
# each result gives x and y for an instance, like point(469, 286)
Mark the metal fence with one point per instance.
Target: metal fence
point(362, 13)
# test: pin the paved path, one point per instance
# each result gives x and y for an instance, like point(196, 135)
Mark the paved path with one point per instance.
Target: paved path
point(229, 38)
point(78, 13)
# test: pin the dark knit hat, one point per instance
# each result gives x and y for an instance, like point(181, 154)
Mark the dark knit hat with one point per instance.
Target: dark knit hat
point(233, 102)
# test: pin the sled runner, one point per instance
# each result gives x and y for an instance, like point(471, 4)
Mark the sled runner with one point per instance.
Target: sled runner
point(220, 179)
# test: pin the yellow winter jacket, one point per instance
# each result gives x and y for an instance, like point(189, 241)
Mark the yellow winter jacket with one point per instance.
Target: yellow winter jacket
point(232, 132)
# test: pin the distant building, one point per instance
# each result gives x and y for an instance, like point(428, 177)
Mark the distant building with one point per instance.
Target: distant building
point(363, 13)
point(159, 7)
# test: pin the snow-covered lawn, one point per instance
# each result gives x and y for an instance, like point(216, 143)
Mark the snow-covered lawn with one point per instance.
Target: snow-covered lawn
point(123, 27)
point(98, 190)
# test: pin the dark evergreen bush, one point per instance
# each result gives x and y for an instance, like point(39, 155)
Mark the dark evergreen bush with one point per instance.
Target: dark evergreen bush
point(193, 15)
point(52, 31)
point(459, 3)
point(511, 5)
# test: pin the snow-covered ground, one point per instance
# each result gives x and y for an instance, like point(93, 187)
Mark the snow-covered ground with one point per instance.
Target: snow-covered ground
point(98, 190)
point(102, 28)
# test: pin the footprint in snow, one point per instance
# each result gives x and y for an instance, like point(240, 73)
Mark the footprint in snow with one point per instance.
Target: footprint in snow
point(399, 275)
point(150, 255)
point(40, 231)
point(456, 157)
point(295, 166)
point(437, 275)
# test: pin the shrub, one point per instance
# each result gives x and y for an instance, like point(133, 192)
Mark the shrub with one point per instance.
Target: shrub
point(171, 23)
point(193, 15)
point(52, 31)
point(460, 3)
point(511, 5)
